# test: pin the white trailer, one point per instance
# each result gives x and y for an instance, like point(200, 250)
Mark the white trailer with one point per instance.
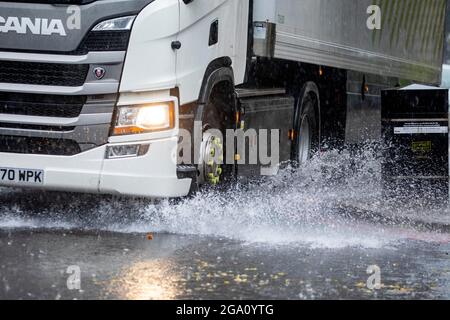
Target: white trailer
point(96, 96)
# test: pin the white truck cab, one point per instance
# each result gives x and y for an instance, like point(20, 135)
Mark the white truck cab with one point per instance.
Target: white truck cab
point(121, 63)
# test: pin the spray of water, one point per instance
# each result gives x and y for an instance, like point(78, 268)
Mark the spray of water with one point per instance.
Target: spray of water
point(314, 205)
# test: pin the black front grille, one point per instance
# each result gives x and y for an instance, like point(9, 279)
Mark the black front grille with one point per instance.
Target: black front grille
point(42, 146)
point(35, 127)
point(48, 74)
point(41, 105)
point(93, 41)
point(104, 41)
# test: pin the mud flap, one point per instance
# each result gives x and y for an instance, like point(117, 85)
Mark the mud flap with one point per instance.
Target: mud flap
point(265, 120)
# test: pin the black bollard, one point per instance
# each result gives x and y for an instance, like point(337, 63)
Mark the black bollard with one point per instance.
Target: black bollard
point(415, 128)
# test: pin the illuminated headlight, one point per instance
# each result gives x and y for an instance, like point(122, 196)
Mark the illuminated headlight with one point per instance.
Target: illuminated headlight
point(145, 118)
point(117, 24)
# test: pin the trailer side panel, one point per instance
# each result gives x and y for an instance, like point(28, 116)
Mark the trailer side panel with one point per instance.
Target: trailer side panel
point(408, 45)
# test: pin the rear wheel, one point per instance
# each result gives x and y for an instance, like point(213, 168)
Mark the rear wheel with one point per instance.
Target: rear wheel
point(307, 139)
point(304, 148)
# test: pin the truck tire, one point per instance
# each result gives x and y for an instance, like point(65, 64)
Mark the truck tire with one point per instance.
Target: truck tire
point(308, 133)
point(212, 168)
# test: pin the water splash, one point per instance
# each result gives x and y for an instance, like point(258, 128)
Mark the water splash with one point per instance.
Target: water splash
point(308, 206)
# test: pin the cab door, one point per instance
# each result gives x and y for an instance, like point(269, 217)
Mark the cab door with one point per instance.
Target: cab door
point(209, 29)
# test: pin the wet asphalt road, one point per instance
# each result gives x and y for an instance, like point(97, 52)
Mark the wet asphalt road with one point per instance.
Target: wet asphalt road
point(129, 266)
point(287, 237)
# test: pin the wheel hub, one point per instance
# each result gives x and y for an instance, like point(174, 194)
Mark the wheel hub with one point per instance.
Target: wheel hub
point(211, 160)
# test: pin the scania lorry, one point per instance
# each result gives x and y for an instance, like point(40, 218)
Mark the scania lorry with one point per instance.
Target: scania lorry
point(104, 96)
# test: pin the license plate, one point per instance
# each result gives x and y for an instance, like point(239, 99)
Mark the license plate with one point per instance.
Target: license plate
point(21, 176)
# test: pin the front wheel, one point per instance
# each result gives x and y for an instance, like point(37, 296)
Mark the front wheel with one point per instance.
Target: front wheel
point(212, 169)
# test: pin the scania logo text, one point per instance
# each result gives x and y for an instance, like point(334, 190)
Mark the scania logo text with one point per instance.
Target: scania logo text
point(36, 26)
point(42, 26)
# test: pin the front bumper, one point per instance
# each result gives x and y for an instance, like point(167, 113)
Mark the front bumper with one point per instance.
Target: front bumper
point(153, 175)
